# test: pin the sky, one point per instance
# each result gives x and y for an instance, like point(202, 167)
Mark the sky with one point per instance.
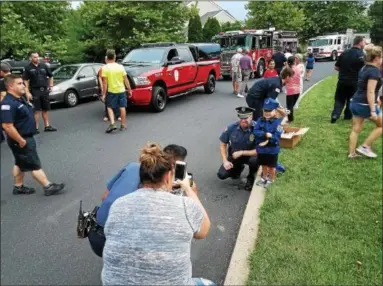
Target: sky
point(236, 8)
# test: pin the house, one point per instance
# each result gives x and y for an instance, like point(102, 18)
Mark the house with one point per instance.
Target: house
point(210, 9)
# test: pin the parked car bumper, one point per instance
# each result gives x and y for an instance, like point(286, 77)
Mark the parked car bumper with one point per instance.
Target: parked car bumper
point(141, 96)
point(56, 96)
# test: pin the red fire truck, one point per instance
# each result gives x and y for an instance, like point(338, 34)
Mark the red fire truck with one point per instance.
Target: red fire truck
point(259, 43)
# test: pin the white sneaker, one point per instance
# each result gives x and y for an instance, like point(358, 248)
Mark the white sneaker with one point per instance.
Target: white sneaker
point(240, 95)
point(366, 151)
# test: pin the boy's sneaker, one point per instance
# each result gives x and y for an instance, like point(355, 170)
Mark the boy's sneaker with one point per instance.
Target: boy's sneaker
point(261, 182)
point(53, 189)
point(268, 183)
point(23, 190)
point(366, 151)
point(111, 128)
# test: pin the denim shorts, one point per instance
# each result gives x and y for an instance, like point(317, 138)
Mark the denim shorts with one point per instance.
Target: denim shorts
point(362, 110)
point(202, 282)
point(116, 100)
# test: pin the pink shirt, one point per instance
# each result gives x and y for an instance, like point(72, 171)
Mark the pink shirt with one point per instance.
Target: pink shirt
point(294, 85)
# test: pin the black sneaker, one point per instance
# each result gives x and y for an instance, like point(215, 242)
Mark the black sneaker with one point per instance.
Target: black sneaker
point(111, 128)
point(53, 189)
point(333, 120)
point(23, 190)
point(49, 129)
point(37, 131)
point(249, 185)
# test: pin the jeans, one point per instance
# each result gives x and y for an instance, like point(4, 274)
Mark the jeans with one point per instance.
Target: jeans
point(202, 282)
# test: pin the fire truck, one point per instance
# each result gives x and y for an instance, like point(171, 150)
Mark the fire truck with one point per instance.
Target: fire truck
point(333, 44)
point(286, 40)
point(259, 43)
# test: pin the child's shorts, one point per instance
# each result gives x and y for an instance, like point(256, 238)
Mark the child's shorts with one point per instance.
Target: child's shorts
point(269, 160)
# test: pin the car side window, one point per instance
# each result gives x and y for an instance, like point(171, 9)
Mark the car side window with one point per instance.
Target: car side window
point(87, 71)
point(172, 53)
point(185, 55)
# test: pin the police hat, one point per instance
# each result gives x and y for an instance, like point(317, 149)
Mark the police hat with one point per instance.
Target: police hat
point(244, 111)
point(270, 104)
point(5, 67)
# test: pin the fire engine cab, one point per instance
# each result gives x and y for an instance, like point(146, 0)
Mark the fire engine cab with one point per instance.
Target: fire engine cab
point(259, 44)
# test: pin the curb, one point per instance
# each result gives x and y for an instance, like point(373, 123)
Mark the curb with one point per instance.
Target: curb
point(238, 271)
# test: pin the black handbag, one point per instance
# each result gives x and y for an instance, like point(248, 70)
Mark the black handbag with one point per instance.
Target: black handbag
point(85, 221)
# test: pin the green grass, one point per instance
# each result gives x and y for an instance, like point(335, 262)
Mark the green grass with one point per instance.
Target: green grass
point(325, 213)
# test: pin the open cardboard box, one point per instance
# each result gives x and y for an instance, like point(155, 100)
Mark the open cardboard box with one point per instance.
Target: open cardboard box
point(291, 136)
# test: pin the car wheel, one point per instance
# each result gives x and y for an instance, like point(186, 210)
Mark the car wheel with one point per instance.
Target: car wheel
point(334, 55)
point(210, 85)
point(71, 98)
point(159, 99)
point(261, 68)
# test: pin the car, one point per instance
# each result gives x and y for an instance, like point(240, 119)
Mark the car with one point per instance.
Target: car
point(18, 65)
point(159, 71)
point(74, 82)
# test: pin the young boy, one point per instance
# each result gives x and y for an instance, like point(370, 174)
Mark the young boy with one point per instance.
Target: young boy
point(268, 131)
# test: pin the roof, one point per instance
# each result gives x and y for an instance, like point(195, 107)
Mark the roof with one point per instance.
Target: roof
point(208, 15)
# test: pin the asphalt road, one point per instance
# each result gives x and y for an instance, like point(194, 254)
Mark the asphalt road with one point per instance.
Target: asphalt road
point(38, 234)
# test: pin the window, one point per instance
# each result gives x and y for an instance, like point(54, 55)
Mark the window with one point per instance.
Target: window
point(172, 53)
point(339, 41)
point(87, 71)
point(268, 39)
point(330, 42)
point(208, 51)
point(262, 43)
point(254, 44)
point(185, 55)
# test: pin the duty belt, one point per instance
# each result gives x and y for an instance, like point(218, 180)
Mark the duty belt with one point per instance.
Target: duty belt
point(40, 88)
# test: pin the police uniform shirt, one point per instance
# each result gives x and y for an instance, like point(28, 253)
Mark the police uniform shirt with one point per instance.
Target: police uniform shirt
point(266, 87)
point(37, 75)
point(279, 59)
point(2, 85)
point(349, 63)
point(237, 138)
point(19, 112)
point(273, 127)
point(368, 72)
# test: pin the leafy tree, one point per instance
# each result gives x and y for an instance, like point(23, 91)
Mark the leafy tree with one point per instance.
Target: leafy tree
point(195, 32)
point(283, 15)
point(211, 28)
point(333, 16)
point(228, 26)
point(376, 14)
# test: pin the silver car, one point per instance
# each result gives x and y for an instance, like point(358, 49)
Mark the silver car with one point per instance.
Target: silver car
point(74, 82)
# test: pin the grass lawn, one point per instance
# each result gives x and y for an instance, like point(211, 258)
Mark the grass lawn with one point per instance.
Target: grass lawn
point(324, 215)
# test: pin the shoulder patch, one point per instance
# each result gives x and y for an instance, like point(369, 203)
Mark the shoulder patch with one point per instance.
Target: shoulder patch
point(280, 128)
point(5, 107)
point(277, 90)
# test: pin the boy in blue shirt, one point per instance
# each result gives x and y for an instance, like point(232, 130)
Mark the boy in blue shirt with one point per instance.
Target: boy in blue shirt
point(268, 131)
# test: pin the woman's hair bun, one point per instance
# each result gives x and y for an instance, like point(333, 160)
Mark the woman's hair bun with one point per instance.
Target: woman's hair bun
point(150, 154)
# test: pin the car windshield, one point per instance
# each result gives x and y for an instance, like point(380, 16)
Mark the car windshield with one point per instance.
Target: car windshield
point(318, 42)
point(224, 42)
point(65, 72)
point(145, 56)
point(239, 41)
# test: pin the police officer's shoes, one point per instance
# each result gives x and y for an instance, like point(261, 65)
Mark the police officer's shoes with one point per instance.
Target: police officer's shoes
point(53, 189)
point(49, 129)
point(249, 185)
point(23, 190)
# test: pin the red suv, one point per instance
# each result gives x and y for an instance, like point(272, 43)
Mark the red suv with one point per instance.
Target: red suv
point(160, 71)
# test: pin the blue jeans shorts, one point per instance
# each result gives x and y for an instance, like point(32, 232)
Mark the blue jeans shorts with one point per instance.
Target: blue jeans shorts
point(362, 110)
point(202, 282)
point(116, 100)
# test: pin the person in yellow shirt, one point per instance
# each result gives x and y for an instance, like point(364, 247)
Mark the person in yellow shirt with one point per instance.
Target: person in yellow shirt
point(114, 81)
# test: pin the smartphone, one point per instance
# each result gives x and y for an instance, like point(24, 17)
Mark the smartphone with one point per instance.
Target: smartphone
point(180, 172)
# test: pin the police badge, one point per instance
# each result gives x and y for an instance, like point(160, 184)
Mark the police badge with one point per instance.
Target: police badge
point(252, 137)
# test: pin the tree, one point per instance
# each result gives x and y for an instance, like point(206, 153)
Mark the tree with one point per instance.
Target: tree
point(333, 16)
point(376, 14)
point(211, 28)
point(283, 15)
point(195, 33)
point(228, 26)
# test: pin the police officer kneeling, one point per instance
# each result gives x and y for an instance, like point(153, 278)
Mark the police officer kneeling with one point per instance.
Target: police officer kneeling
point(238, 148)
point(19, 124)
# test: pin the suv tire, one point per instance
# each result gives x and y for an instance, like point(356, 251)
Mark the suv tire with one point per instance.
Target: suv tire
point(210, 85)
point(159, 99)
point(71, 98)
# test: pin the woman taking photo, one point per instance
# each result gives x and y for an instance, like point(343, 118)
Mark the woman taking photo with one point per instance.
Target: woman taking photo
point(363, 104)
point(149, 232)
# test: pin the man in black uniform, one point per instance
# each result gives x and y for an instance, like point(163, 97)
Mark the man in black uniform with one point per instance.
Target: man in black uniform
point(238, 148)
point(5, 70)
point(279, 59)
point(19, 124)
point(348, 64)
point(35, 77)
point(266, 87)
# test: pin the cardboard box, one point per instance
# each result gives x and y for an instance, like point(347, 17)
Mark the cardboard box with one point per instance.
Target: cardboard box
point(291, 136)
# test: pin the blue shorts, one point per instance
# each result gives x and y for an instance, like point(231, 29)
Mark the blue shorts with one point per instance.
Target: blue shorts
point(362, 110)
point(202, 282)
point(116, 100)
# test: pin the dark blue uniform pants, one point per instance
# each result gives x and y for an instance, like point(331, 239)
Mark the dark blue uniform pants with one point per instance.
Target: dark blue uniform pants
point(257, 104)
point(238, 166)
point(343, 94)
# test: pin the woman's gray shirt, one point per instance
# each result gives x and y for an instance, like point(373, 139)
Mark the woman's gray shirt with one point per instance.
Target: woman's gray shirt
point(148, 239)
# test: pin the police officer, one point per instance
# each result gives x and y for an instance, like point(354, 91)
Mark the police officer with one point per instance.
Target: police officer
point(19, 124)
point(267, 87)
point(5, 70)
point(348, 64)
point(35, 77)
point(238, 148)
